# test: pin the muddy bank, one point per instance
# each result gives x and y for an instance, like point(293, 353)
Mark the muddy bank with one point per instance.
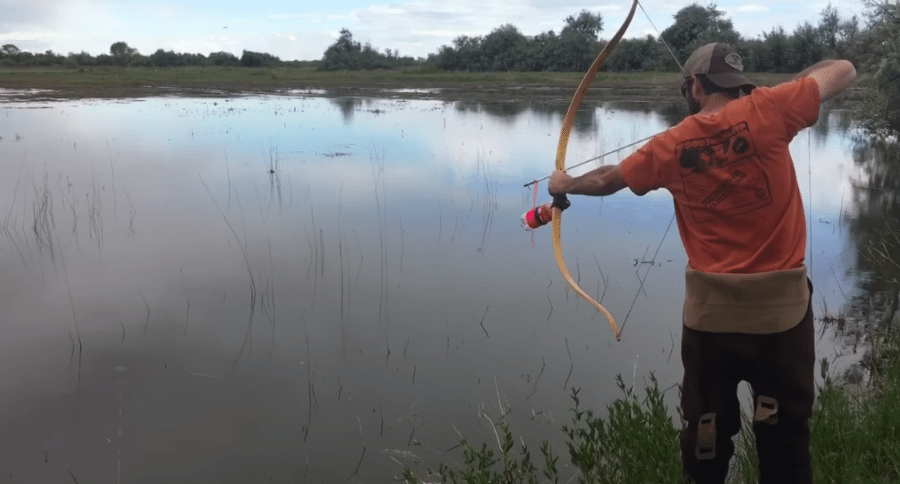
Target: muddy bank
point(482, 93)
point(520, 87)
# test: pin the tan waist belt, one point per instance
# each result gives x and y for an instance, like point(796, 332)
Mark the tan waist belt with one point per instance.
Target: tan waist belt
point(766, 302)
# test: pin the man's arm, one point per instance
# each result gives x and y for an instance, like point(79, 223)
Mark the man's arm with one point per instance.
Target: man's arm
point(604, 180)
point(833, 77)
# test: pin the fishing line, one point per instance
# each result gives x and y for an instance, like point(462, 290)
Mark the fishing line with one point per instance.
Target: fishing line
point(533, 206)
point(666, 233)
point(652, 262)
point(809, 177)
point(595, 158)
point(660, 36)
point(674, 57)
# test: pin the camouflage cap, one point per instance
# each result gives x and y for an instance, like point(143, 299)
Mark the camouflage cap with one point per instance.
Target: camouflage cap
point(721, 64)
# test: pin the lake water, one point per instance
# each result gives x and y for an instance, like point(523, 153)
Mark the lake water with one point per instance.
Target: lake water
point(295, 288)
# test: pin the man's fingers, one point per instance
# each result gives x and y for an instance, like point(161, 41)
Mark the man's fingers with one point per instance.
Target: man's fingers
point(559, 182)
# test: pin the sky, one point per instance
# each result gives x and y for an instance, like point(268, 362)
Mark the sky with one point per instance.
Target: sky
point(303, 29)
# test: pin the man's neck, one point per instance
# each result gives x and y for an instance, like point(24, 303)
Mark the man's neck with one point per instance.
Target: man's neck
point(715, 103)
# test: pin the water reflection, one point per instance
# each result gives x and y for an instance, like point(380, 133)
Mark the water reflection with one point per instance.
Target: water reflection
point(875, 222)
point(292, 282)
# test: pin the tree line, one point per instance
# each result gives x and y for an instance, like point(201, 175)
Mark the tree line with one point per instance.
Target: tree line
point(122, 55)
point(872, 43)
point(572, 49)
point(865, 41)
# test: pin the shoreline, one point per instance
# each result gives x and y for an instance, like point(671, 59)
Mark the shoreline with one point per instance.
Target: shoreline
point(51, 84)
point(480, 93)
point(524, 87)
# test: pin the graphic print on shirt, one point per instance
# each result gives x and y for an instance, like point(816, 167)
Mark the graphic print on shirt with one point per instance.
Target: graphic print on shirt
point(722, 175)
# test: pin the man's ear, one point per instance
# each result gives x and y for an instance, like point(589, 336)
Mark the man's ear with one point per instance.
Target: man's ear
point(697, 88)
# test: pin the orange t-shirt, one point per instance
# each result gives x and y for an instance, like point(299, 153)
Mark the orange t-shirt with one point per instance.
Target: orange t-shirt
point(732, 177)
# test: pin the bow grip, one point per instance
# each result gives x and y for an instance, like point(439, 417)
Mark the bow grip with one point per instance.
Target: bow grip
point(561, 202)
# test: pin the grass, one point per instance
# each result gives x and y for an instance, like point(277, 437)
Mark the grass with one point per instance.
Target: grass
point(409, 83)
point(636, 443)
point(99, 76)
point(856, 429)
point(143, 81)
point(855, 437)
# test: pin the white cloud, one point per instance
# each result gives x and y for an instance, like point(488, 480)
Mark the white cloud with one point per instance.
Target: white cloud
point(19, 12)
point(416, 28)
point(199, 45)
point(26, 36)
point(753, 8)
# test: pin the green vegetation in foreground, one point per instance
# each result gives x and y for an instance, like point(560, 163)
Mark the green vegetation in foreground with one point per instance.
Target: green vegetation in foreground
point(855, 437)
point(856, 432)
point(637, 442)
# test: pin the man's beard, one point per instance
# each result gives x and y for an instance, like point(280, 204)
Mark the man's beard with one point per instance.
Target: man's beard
point(693, 103)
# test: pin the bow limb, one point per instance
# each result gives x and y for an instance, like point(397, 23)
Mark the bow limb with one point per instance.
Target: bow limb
point(560, 204)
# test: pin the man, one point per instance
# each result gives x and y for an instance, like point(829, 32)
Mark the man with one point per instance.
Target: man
point(747, 311)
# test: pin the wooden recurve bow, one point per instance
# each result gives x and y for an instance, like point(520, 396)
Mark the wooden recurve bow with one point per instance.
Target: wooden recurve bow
point(561, 202)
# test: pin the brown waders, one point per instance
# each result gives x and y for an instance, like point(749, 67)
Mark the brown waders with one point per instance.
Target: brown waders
point(780, 370)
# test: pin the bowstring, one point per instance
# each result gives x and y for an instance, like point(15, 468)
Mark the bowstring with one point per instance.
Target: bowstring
point(674, 57)
point(535, 182)
point(661, 37)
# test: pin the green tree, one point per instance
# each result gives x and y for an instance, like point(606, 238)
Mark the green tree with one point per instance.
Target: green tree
point(879, 54)
point(348, 54)
point(259, 59)
point(635, 55)
point(81, 59)
point(470, 53)
point(122, 53)
point(586, 23)
point(8, 50)
point(837, 34)
point(695, 26)
point(504, 49)
point(578, 44)
point(540, 51)
point(829, 28)
point(140, 60)
point(369, 59)
point(777, 51)
point(194, 59)
point(9, 54)
point(343, 54)
point(574, 52)
point(224, 59)
point(48, 58)
point(447, 58)
point(887, 84)
point(162, 58)
point(104, 60)
point(848, 34)
point(806, 47)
